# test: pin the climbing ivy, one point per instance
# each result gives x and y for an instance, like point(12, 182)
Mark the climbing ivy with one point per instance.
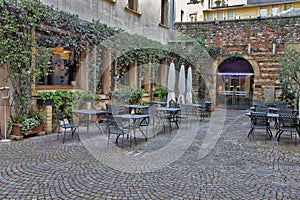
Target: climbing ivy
point(289, 76)
point(28, 29)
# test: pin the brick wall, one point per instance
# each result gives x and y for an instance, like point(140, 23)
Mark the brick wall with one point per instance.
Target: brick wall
point(260, 36)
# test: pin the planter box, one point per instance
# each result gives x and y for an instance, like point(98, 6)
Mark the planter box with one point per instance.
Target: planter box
point(37, 129)
point(16, 130)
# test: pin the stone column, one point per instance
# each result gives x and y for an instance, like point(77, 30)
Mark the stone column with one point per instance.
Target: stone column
point(48, 124)
point(106, 69)
point(147, 81)
point(83, 75)
point(133, 74)
point(162, 73)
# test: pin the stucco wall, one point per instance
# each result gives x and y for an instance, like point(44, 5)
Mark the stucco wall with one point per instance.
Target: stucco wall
point(114, 14)
point(261, 41)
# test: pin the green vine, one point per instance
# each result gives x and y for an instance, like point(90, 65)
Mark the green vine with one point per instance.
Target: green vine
point(66, 100)
point(28, 29)
point(289, 76)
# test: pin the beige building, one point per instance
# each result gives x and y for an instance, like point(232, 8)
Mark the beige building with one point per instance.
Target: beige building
point(188, 11)
point(247, 9)
point(149, 18)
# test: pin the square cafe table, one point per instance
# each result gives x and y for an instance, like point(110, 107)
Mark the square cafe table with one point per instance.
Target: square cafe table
point(133, 125)
point(135, 107)
point(88, 112)
point(172, 115)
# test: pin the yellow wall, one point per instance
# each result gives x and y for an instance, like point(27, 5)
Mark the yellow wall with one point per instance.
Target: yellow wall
point(246, 12)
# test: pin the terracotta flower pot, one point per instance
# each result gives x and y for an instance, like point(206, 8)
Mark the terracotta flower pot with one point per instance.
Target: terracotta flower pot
point(37, 129)
point(16, 130)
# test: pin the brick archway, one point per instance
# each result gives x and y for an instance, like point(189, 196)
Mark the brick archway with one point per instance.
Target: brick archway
point(240, 94)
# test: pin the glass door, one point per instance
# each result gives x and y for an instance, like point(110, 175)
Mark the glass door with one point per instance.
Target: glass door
point(233, 90)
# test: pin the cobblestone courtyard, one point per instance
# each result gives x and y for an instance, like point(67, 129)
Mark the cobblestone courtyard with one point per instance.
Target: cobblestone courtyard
point(233, 168)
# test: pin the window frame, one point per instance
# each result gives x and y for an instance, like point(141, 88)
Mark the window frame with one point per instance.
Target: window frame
point(133, 7)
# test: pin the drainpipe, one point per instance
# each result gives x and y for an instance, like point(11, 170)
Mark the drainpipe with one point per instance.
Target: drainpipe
point(172, 14)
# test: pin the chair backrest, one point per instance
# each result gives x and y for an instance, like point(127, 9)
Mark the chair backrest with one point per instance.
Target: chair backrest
point(278, 104)
point(259, 102)
point(201, 102)
point(288, 120)
point(62, 119)
point(172, 104)
point(259, 119)
point(187, 108)
point(108, 108)
point(285, 111)
point(261, 109)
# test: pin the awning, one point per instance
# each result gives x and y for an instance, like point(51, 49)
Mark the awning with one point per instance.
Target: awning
point(240, 67)
point(235, 74)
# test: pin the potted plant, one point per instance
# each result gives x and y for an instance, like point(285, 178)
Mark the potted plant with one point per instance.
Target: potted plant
point(128, 95)
point(218, 2)
point(161, 93)
point(14, 124)
point(31, 123)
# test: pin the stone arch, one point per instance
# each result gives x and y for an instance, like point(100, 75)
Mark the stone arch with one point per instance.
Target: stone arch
point(255, 70)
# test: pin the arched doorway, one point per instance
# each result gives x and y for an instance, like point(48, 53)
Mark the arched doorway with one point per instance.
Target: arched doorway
point(234, 83)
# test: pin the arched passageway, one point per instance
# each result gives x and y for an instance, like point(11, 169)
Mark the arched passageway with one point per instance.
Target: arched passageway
point(234, 83)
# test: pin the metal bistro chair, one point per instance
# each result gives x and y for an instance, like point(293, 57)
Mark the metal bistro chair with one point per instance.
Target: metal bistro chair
point(159, 119)
point(173, 104)
point(66, 124)
point(115, 127)
point(259, 120)
point(288, 122)
point(261, 108)
point(203, 109)
point(186, 113)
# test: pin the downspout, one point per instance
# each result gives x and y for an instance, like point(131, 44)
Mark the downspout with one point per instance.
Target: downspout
point(172, 14)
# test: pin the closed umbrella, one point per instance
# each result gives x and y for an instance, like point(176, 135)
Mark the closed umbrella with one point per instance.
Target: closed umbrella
point(181, 85)
point(171, 84)
point(189, 86)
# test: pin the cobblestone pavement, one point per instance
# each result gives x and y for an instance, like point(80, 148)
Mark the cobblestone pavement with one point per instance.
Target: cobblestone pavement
point(43, 168)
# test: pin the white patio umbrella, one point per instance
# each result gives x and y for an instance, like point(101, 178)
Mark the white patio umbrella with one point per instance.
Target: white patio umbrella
point(189, 86)
point(181, 85)
point(171, 84)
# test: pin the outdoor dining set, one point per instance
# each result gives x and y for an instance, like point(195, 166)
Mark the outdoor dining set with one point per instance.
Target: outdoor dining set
point(127, 122)
point(277, 117)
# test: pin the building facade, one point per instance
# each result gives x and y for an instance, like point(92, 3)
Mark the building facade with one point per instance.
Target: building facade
point(188, 11)
point(246, 9)
point(149, 18)
point(246, 56)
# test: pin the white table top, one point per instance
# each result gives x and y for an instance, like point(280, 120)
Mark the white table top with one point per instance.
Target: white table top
point(137, 106)
point(132, 116)
point(271, 115)
point(169, 109)
point(89, 111)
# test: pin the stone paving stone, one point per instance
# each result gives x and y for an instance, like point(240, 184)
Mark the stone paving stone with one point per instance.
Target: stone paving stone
point(235, 168)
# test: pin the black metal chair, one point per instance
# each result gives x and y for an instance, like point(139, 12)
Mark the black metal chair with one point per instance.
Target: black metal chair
point(261, 108)
point(289, 123)
point(173, 104)
point(202, 109)
point(259, 120)
point(66, 124)
point(115, 127)
point(159, 119)
point(186, 113)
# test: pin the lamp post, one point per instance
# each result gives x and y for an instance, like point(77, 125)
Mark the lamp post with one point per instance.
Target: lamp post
point(5, 95)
